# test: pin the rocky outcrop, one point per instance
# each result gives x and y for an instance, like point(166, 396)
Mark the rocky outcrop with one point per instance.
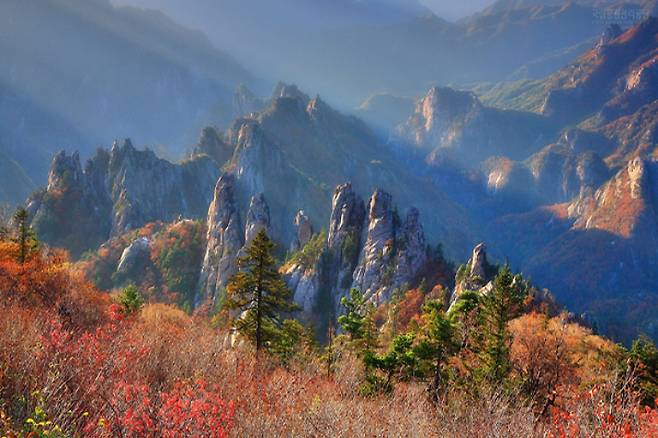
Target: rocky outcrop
point(258, 218)
point(453, 126)
point(65, 172)
point(557, 173)
point(476, 275)
point(146, 188)
point(344, 237)
point(303, 231)
point(289, 91)
point(119, 190)
point(371, 251)
point(134, 256)
point(212, 144)
point(225, 238)
point(245, 102)
point(374, 270)
point(625, 205)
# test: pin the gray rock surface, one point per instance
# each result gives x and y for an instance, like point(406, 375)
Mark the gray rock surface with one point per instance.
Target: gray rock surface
point(225, 238)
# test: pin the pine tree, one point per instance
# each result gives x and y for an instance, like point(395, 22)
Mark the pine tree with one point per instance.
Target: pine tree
point(352, 321)
point(25, 236)
point(399, 361)
point(131, 300)
point(259, 293)
point(437, 345)
point(497, 308)
point(370, 339)
point(329, 353)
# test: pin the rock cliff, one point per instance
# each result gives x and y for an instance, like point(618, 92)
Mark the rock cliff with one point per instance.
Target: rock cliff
point(118, 190)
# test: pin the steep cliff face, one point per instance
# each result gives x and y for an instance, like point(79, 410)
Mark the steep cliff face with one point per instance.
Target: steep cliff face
point(560, 171)
point(225, 237)
point(476, 275)
point(371, 250)
point(245, 102)
point(212, 144)
point(625, 205)
point(228, 237)
point(374, 268)
point(344, 239)
point(303, 231)
point(118, 191)
point(453, 126)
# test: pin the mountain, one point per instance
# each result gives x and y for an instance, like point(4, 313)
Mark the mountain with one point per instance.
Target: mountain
point(76, 73)
point(118, 191)
point(297, 148)
point(364, 43)
point(589, 230)
point(453, 126)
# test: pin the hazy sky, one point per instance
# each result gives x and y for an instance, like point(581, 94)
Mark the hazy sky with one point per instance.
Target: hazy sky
point(448, 9)
point(453, 9)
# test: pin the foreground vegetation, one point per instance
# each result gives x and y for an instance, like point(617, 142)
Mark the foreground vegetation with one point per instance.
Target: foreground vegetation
point(77, 362)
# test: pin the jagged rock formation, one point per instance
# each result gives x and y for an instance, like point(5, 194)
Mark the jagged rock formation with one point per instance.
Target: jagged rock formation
point(476, 275)
point(258, 218)
point(210, 143)
point(371, 251)
point(344, 237)
point(245, 102)
point(559, 172)
point(227, 238)
point(453, 126)
point(625, 206)
point(117, 191)
point(297, 147)
point(374, 266)
point(224, 239)
point(304, 231)
point(135, 255)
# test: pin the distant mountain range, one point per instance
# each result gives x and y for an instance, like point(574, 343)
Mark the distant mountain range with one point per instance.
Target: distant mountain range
point(347, 50)
point(76, 74)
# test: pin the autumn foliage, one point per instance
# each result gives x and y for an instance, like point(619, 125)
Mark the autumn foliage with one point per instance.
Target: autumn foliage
point(73, 364)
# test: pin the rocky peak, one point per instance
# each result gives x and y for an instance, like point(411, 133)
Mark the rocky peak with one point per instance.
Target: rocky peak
point(289, 91)
point(303, 231)
point(65, 172)
point(254, 157)
point(258, 218)
point(347, 214)
point(411, 249)
point(625, 205)
point(378, 246)
point(478, 262)
point(210, 143)
point(476, 275)
point(245, 102)
point(316, 108)
point(225, 239)
point(119, 191)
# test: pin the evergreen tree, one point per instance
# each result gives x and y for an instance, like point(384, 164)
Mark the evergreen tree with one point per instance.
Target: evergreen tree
point(370, 340)
point(25, 236)
point(399, 361)
point(288, 341)
point(131, 300)
point(259, 294)
point(437, 345)
point(352, 321)
point(644, 355)
point(497, 308)
point(329, 354)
